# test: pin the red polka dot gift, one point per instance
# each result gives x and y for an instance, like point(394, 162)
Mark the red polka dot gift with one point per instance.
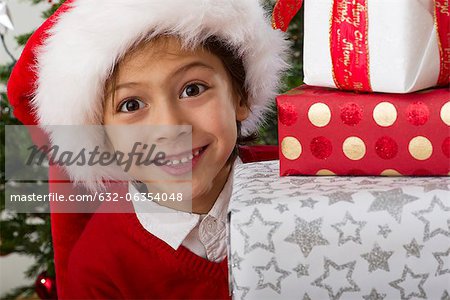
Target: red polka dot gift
point(325, 131)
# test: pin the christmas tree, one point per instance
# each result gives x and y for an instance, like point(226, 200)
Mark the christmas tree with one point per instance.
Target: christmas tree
point(30, 233)
point(24, 233)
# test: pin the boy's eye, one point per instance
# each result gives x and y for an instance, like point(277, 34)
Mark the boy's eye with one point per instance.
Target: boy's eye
point(192, 90)
point(130, 105)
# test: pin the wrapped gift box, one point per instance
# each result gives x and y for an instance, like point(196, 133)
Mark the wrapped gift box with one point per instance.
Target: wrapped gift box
point(338, 237)
point(393, 46)
point(324, 131)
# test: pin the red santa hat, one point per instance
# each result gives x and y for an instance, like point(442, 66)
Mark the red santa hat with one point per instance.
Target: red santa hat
point(60, 76)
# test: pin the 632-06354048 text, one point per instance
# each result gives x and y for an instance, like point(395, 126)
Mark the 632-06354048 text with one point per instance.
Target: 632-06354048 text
point(103, 196)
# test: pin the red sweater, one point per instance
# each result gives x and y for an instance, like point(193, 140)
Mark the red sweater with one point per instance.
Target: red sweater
point(116, 257)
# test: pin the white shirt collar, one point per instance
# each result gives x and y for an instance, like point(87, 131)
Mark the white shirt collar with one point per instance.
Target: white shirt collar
point(172, 226)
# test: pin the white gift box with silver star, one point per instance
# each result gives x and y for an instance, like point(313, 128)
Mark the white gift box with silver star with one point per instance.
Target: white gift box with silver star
point(338, 237)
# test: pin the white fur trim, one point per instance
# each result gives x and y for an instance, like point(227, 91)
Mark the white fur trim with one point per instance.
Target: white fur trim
point(86, 42)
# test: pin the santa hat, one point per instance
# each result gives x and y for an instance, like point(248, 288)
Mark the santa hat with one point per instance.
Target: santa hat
point(61, 73)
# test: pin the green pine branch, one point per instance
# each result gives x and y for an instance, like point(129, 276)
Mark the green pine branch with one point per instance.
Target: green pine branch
point(21, 291)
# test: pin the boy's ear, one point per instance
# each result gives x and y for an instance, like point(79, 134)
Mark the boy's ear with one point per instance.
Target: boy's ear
point(242, 111)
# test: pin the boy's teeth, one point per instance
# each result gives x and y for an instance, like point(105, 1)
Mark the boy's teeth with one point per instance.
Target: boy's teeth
point(184, 159)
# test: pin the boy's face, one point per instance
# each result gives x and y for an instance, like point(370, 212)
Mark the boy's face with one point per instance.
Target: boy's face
point(158, 84)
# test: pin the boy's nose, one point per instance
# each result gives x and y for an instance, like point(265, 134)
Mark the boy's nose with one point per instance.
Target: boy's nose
point(173, 134)
point(170, 123)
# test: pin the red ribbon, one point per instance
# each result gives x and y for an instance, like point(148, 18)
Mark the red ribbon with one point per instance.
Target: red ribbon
point(349, 45)
point(442, 19)
point(283, 13)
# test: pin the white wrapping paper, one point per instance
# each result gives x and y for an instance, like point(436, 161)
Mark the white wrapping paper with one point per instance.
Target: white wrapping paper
point(305, 237)
point(403, 45)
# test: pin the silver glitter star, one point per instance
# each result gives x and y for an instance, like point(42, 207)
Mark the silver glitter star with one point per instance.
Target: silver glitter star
point(260, 175)
point(392, 202)
point(302, 270)
point(236, 260)
point(339, 179)
point(377, 258)
point(351, 287)
point(263, 191)
point(248, 185)
point(267, 167)
point(262, 226)
point(374, 295)
point(428, 233)
point(307, 235)
point(413, 249)
point(321, 188)
point(310, 202)
point(282, 208)
point(257, 201)
point(340, 196)
point(368, 182)
point(384, 230)
point(438, 255)
point(262, 283)
point(435, 186)
point(419, 293)
point(354, 235)
point(244, 290)
point(298, 194)
point(257, 183)
point(445, 295)
point(302, 181)
point(306, 297)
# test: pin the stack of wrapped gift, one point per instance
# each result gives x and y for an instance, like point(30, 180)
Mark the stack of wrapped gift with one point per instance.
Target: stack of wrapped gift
point(380, 104)
point(377, 102)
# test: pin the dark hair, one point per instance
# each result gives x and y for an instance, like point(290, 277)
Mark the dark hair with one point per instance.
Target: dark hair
point(235, 69)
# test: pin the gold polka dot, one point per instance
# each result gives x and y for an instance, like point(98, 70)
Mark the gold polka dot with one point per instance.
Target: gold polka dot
point(354, 148)
point(291, 148)
point(385, 114)
point(325, 172)
point(390, 172)
point(319, 114)
point(420, 148)
point(445, 113)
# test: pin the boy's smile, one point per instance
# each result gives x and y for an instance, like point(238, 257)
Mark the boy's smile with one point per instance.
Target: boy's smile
point(160, 84)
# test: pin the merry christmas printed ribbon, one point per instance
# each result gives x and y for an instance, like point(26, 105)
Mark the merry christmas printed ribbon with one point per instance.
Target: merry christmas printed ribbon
point(442, 22)
point(349, 45)
point(349, 39)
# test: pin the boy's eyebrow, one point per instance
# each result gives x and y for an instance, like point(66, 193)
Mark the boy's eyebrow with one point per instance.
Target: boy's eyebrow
point(182, 69)
point(190, 66)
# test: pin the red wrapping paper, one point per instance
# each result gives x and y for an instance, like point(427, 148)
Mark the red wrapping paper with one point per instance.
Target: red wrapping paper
point(324, 131)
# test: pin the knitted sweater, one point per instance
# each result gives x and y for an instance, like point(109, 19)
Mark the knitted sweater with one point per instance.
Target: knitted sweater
point(116, 257)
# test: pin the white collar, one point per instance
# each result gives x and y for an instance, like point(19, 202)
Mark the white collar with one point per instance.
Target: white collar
point(172, 226)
